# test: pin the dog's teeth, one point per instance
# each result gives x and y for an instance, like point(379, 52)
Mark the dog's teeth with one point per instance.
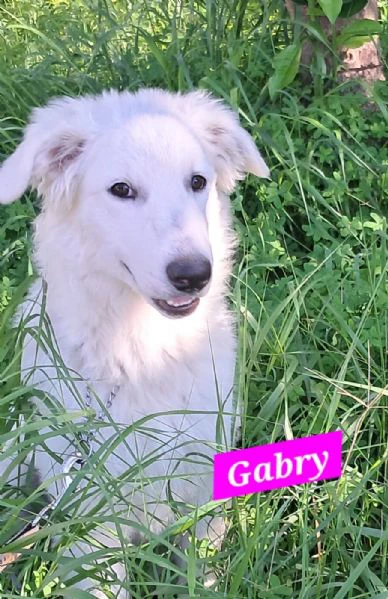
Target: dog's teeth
point(179, 302)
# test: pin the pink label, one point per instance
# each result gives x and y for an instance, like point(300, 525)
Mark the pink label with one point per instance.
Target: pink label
point(277, 465)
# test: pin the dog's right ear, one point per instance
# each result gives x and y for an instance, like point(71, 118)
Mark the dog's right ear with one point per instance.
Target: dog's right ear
point(48, 157)
point(231, 148)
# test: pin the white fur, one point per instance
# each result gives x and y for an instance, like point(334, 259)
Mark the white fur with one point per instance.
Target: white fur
point(105, 324)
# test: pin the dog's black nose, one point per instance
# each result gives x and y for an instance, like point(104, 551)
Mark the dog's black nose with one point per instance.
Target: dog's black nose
point(189, 274)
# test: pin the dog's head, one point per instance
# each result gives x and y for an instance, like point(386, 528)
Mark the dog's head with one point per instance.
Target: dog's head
point(136, 176)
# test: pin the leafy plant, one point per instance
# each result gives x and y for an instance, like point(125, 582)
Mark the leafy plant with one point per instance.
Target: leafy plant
point(333, 9)
point(286, 63)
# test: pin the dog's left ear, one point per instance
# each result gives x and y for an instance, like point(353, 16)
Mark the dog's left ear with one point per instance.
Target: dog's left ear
point(231, 148)
point(48, 157)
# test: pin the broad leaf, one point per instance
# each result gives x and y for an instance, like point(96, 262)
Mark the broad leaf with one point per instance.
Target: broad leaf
point(352, 7)
point(358, 33)
point(286, 65)
point(317, 31)
point(349, 7)
point(331, 8)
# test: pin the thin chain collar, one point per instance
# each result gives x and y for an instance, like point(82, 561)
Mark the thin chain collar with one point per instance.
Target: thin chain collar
point(112, 394)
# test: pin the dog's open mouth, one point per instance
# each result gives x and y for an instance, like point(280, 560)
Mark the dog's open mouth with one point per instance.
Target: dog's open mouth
point(177, 306)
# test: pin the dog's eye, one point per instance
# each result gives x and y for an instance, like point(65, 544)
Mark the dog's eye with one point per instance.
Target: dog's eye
point(123, 190)
point(198, 183)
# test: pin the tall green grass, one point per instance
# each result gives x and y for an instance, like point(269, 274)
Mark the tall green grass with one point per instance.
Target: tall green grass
point(310, 290)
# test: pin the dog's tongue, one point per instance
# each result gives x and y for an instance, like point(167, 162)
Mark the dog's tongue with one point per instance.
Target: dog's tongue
point(179, 300)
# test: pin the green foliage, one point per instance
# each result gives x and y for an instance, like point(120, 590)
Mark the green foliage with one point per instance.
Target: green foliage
point(286, 65)
point(310, 288)
point(336, 8)
point(358, 33)
point(331, 9)
point(351, 7)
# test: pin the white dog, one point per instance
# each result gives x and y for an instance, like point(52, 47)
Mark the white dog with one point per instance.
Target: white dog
point(134, 246)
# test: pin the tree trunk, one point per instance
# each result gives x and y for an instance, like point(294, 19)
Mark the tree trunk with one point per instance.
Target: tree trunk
point(363, 62)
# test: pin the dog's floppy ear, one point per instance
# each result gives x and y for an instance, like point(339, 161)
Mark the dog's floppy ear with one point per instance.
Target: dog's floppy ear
point(46, 159)
point(231, 148)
